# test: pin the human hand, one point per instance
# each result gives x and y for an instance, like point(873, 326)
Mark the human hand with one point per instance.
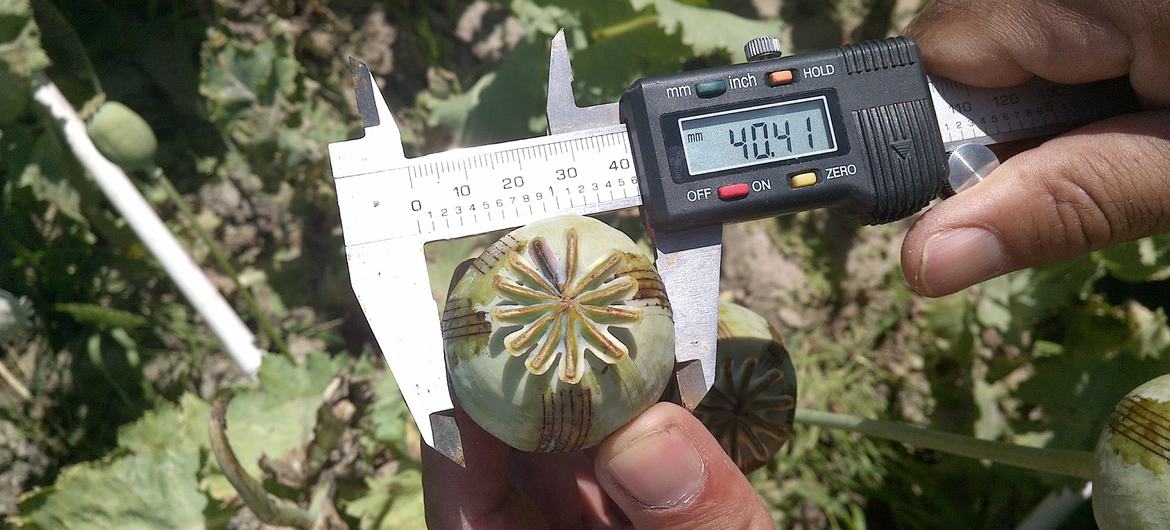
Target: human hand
point(1097, 186)
point(661, 470)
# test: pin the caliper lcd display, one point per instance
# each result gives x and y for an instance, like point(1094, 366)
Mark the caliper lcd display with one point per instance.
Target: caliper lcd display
point(757, 135)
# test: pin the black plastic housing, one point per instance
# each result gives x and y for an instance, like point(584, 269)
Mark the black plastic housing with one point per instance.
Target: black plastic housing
point(890, 160)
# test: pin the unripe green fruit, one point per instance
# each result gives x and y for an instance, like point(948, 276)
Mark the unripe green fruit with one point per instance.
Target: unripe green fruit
point(558, 334)
point(123, 136)
point(750, 409)
point(1131, 481)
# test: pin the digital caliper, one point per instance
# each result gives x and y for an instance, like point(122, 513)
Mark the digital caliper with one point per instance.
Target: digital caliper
point(860, 128)
point(852, 127)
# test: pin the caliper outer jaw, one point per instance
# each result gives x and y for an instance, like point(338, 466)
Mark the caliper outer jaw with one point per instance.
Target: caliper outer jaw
point(389, 278)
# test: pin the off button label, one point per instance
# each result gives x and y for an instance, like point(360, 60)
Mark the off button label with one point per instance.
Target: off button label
point(699, 194)
point(733, 192)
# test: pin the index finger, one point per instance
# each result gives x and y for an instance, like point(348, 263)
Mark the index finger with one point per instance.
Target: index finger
point(1006, 42)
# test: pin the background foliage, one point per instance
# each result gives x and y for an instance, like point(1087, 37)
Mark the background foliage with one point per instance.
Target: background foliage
point(108, 374)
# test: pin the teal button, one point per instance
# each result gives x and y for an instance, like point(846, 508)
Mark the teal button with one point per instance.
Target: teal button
point(710, 89)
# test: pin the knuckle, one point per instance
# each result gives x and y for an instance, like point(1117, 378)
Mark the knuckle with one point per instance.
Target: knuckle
point(1083, 213)
point(1099, 195)
point(1148, 207)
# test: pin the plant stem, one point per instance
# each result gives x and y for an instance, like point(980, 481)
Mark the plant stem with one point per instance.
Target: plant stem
point(621, 28)
point(1058, 461)
point(265, 506)
point(15, 383)
point(222, 261)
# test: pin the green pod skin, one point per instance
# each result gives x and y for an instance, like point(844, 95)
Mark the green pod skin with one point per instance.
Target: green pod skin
point(123, 136)
point(751, 407)
point(558, 334)
point(1131, 480)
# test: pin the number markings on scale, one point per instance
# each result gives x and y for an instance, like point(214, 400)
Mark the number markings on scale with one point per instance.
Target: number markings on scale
point(493, 181)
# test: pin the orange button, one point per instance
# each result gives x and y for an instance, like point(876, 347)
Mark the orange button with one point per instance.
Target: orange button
point(733, 191)
point(781, 77)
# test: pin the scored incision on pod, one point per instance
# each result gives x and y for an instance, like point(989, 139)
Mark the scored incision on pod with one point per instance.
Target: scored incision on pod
point(1131, 479)
point(750, 409)
point(558, 334)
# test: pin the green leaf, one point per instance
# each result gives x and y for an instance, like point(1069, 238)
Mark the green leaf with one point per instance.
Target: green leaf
point(20, 40)
point(1019, 300)
point(1144, 260)
point(501, 105)
point(167, 427)
point(392, 502)
point(707, 31)
point(276, 416)
point(138, 491)
point(248, 86)
point(101, 317)
point(946, 317)
point(1151, 335)
point(1101, 362)
point(48, 175)
point(611, 44)
point(1053, 288)
point(389, 414)
point(14, 99)
point(993, 313)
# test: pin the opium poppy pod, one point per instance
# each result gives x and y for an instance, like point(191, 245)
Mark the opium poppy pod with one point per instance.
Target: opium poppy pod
point(752, 405)
point(558, 334)
point(1131, 482)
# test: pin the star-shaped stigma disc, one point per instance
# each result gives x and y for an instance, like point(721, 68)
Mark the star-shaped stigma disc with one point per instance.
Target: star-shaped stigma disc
point(561, 311)
point(749, 410)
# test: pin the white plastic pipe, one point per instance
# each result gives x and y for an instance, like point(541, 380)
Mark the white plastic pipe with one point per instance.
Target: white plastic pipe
point(1056, 508)
point(223, 320)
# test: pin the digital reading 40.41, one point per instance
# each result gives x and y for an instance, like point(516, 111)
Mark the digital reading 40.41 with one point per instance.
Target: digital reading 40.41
point(755, 135)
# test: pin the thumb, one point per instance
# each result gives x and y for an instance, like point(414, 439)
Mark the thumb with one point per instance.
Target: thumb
point(665, 470)
point(1098, 186)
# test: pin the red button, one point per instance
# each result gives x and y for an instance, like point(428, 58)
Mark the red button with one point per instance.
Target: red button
point(733, 191)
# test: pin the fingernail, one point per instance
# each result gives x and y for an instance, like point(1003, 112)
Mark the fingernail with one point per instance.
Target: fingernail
point(958, 258)
point(660, 469)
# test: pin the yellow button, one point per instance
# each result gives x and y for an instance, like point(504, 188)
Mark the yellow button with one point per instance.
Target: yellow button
point(801, 180)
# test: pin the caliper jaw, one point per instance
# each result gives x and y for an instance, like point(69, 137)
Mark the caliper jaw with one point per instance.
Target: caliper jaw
point(561, 105)
point(389, 277)
point(687, 261)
